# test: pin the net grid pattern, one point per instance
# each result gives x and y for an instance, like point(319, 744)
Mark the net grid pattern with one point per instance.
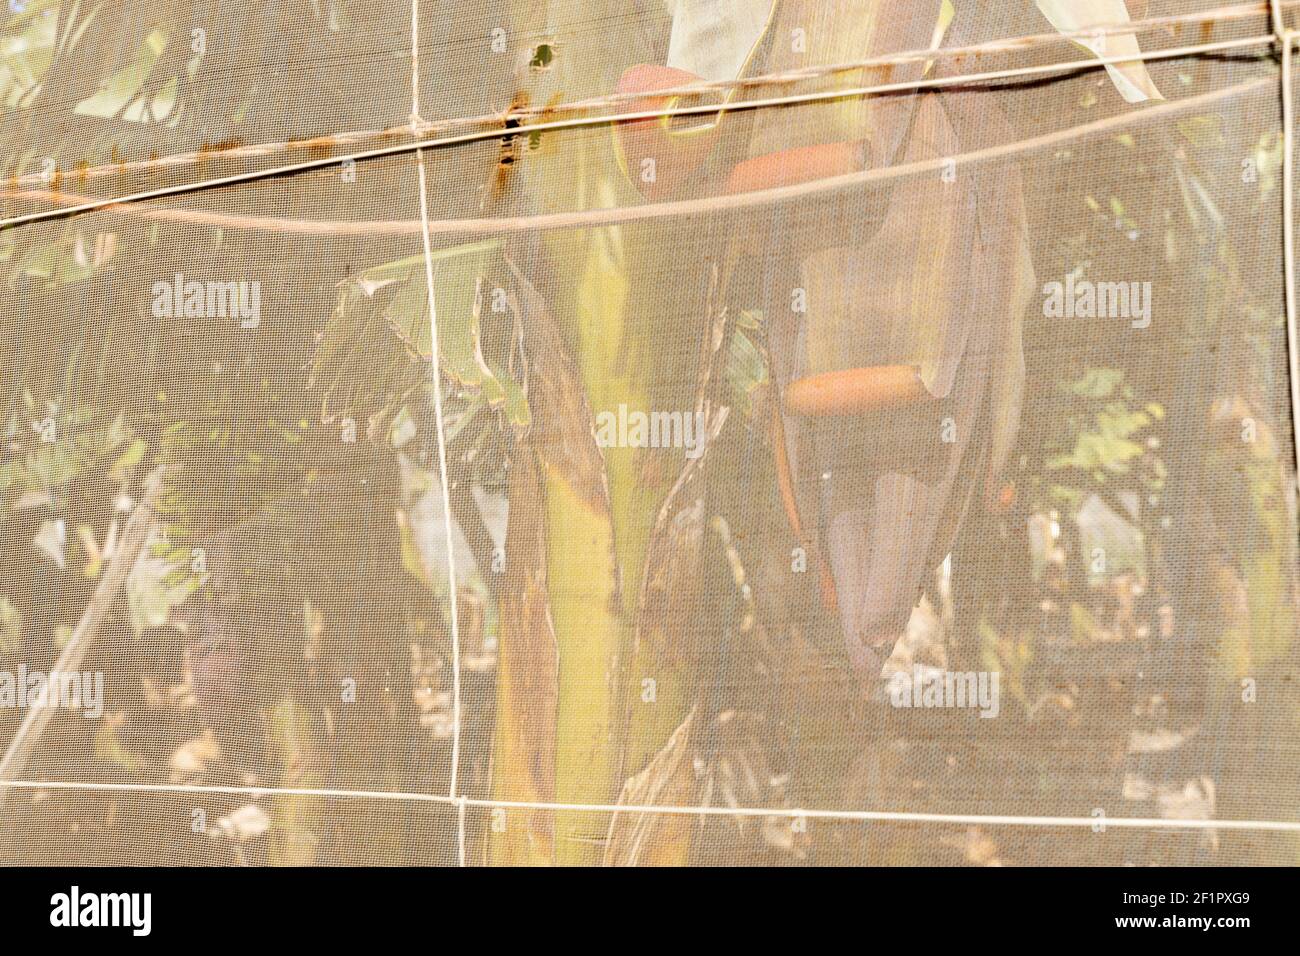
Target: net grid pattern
point(132, 203)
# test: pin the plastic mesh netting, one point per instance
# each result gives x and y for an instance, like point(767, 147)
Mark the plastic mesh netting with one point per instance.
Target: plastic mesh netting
point(648, 432)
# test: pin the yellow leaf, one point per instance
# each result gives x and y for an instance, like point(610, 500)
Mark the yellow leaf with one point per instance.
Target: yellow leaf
point(1130, 77)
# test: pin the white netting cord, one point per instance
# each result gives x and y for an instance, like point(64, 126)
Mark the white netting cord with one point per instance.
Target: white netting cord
point(421, 126)
point(1099, 821)
point(1281, 35)
point(580, 122)
point(1283, 39)
point(440, 432)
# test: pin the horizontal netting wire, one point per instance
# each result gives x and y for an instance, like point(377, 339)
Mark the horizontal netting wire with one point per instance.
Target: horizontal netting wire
point(524, 129)
point(418, 127)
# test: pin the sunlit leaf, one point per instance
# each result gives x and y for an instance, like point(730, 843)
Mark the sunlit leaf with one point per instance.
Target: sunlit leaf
point(1129, 77)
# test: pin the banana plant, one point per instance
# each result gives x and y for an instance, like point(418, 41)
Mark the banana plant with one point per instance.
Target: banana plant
point(629, 328)
point(598, 507)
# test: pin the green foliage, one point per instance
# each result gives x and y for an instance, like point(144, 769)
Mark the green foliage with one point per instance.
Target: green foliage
point(375, 350)
point(53, 444)
point(746, 369)
point(26, 50)
point(125, 94)
point(1105, 439)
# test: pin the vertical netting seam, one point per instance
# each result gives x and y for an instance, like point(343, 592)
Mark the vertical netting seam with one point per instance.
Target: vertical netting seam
point(1288, 226)
point(444, 480)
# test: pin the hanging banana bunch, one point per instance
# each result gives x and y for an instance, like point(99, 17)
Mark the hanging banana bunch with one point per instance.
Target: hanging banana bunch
point(893, 313)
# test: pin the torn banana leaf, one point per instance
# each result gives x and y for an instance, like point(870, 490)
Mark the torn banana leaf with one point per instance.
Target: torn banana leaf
point(375, 349)
point(668, 780)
